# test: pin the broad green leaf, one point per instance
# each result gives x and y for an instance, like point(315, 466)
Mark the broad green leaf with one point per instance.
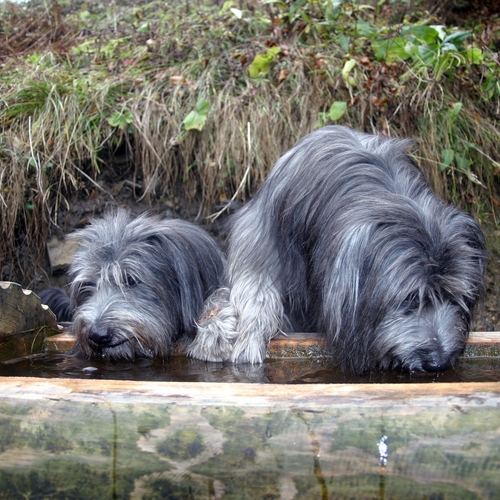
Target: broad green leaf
point(461, 161)
point(365, 29)
point(411, 49)
point(474, 55)
point(336, 4)
point(457, 38)
point(440, 31)
point(196, 119)
point(391, 50)
point(425, 33)
point(202, 107)
point(447, 47)
point(337, 110)
point(427, 55)
point(396, 50)
point(261, 62)
point(226, 6)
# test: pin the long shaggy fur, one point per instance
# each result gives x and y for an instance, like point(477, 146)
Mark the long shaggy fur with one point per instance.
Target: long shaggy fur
point(346, 237)
point(137, 285)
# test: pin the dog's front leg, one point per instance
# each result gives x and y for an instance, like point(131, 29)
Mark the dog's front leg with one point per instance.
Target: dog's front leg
point(259, 305)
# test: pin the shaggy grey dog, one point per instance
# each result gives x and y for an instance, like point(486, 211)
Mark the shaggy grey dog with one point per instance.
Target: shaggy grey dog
point(346, 237)
point(137, 285)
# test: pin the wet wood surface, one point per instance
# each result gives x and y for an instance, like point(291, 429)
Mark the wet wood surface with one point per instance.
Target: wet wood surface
point(24, 321)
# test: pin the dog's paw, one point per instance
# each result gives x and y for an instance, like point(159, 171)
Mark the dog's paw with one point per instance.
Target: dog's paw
point(216, 330)
point(249, 349)
point(210, 344)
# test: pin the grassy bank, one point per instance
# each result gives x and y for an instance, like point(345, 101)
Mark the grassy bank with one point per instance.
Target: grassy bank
point(203, 98)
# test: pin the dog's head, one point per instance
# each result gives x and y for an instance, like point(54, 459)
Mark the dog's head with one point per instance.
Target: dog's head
point(417, 281)
point(138, 284)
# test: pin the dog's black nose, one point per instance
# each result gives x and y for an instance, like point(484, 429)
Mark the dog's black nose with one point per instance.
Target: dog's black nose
point(435, 365)
point(101, 336)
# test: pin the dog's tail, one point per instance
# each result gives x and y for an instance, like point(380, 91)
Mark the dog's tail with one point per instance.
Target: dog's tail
point(58, 302)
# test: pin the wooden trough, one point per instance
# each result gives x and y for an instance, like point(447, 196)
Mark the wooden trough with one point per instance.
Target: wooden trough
point(80, 438)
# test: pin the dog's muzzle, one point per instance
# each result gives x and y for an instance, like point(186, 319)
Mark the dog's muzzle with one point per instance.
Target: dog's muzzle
point(104, 337)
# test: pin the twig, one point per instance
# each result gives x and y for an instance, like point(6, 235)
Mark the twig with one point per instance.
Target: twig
point(242, 183)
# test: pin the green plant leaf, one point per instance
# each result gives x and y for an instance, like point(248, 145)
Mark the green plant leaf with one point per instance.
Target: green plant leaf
point(226, 6)
point(457, 38)
point(461, 161)
point(447, 156)
point(120, 119)
point(474, 55)
point(202, 107)
point(365, 29)
point(440, 31)
point(337, 110)
point(261, 62)
point(346, 72)
point(455, 110)
point(426, 34)
point(196, 119)
point(427, 55)
point(344, 42)
point(391, 50)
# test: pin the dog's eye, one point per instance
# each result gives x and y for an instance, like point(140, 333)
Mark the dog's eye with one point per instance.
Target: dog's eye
point(86, 290)
point(131, 282)
point(411, 302)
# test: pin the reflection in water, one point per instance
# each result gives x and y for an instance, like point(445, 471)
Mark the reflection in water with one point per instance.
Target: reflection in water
point(275, 371)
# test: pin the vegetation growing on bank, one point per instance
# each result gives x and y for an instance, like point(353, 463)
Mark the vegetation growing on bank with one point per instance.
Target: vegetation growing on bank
point(203, 97)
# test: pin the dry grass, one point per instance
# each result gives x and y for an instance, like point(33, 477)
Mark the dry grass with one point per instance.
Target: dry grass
point(129, 83)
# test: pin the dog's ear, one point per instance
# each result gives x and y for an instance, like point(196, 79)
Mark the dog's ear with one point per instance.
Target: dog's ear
point(192, 264)
point(463, 256)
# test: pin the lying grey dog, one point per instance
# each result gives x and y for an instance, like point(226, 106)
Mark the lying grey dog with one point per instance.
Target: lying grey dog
point(136, 285)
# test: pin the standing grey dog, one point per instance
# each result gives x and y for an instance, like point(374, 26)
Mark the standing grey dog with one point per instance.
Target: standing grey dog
point(137, 285)
point(346, 237)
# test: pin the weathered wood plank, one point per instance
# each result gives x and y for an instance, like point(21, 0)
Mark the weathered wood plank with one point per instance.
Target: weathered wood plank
point(118, 439)
point(24, 321)
point(485, 394)
point(312, 345)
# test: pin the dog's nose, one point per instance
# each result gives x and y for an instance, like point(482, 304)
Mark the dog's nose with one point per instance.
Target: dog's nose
point(101, 336)
point(435, 365)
